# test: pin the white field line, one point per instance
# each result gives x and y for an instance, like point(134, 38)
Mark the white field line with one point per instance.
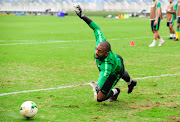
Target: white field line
point(65, 41)
point(156, 76)
point(61, 87)
point(58, 41)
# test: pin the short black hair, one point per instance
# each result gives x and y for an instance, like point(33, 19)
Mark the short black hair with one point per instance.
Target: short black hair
point(106, 44)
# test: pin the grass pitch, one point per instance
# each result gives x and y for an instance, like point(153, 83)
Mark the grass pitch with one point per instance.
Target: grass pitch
point(39, 52)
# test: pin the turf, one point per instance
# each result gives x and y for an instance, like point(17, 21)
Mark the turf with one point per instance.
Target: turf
point(39, 52)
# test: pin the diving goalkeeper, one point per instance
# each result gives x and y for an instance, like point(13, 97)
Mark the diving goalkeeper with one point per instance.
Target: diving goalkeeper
point(110, 65)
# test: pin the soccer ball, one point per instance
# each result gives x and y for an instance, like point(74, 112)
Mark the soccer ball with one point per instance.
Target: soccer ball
point(28, 109)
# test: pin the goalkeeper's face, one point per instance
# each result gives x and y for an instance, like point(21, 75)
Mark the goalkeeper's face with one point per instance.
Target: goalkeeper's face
point(101, 52)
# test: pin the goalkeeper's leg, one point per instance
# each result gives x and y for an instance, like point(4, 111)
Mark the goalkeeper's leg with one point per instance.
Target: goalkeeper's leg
point(105, 91)
point(130, 82)
point(125, 76)
point(102, 97)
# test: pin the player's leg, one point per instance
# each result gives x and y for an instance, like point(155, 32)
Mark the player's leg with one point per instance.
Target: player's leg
point(154, 41)
point(170, 30)
point(115, 96)
point(156, 34)
point(113, 93)
point(177, 30)
point(161, 41)
point(105, 90)
point(130, 82)
point(173, 31)
point(125, 76)
point(155, 29)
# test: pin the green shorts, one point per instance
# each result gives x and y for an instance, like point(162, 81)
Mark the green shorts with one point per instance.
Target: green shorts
point(168, 23)
point(171, 22)
point(178, 20)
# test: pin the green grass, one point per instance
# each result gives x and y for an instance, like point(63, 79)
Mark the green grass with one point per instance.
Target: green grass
point(36, 61)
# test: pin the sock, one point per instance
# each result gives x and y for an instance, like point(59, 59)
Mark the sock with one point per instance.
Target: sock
point(126, 76)
point(154, 41)
point(115, 91)
point(174, 35)
point(171, 35)
point(128, 83)
point(161, 39)
point(177, 33)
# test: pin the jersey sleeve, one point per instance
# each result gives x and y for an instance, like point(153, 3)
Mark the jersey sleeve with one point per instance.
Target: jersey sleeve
point(175, 7)
point(98, 33)
point(158, 5)
point(104, 73)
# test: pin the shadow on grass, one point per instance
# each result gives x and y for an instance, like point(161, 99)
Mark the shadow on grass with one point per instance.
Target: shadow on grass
point(29, 119)
point(121, 104)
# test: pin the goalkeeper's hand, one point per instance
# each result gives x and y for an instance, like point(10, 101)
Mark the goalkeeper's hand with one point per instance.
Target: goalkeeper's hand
point(78, 10)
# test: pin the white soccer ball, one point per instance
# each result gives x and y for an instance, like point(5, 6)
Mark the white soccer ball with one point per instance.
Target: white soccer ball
point(28, 109)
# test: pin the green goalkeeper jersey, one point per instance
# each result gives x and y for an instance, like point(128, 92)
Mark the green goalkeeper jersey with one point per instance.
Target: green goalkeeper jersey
point(111, 65)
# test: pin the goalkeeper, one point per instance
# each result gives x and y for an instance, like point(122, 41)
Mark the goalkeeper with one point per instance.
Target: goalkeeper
point(110, 65)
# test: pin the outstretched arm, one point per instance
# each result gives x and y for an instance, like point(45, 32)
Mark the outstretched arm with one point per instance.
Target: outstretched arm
point(97, 31)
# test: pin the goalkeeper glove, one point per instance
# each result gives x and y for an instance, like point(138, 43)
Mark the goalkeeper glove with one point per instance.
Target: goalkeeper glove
point(78, 10)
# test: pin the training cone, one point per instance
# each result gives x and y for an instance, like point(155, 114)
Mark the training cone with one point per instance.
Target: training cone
point(132, 43)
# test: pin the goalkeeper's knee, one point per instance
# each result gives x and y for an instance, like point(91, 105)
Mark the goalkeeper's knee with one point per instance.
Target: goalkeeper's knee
point(99, 100)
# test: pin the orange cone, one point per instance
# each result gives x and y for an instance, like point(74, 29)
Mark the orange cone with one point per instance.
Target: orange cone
point(132, 43)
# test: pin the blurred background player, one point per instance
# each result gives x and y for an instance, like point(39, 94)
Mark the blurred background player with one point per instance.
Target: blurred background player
point(110, 65)
point(171, 13)
point(177, 7)
point(155, 17)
